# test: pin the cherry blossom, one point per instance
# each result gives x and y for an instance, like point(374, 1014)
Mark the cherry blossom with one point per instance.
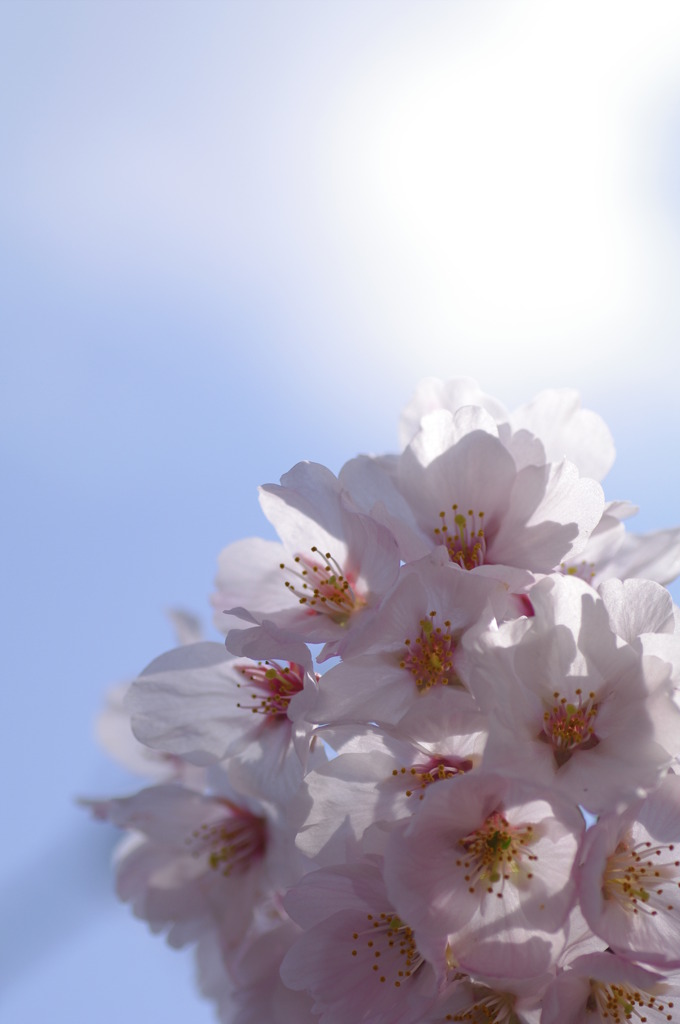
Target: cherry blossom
point(356, 952)
point(332, 566)
point(200, 703)
point(472, 999)
point(369, 803)
point(409, 655)
point(630, 878)
point(554, 417)
point(529, 516)
point(193, 857)
point(600, 988)
point(378, 778)
point(611, 552)
point(485, 860)
point(587, 710)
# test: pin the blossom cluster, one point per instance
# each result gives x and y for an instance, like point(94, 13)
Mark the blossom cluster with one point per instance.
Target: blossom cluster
point(431, 775)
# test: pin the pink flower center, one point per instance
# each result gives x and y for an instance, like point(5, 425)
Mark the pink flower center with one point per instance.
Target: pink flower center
point(464, 541)
point(641, 879)
point(493, 853)
point(435, 769)
point(274, 684)
point(429, 658)
point(570, 726)
point(620, 1003)
point(233, 842)
point(320, 584)
point(387, 943)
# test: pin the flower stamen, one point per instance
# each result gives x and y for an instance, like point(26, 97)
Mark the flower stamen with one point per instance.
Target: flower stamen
point(389, 947)
point(620, 1003)
point(435, 769)
point(465, 542)
point(569, 726)
point(231, 843)
point(278, 683)
point(493, 853)
point(429, 658)
point(320, 584)
point(582, 570)
point(638, 881)
point(491, 1008)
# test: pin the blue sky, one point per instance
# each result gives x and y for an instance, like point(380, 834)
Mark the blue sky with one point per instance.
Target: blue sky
point(234, 236)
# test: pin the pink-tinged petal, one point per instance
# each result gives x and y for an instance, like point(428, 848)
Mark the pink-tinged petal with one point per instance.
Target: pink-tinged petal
point(333, 567)
point(442, 430)
point(526, 450)
point(598, 550)
point(482, 1000)
point(604, 989)
point(249, 576)
point(568, 431)
point(376, 688)
point(260, 994)
point(420, 628)
point(637, 606)
point(305, 508)
point(167, 814)
point(432, 394)
point(372, 553)
point(194, 859)
point(200, 704)
point(454, 478)
point(397, 988)
point(372, 487)
point(551, 512)
point(270, 641)
point(355, 886)
point(355, 690)
point(115, 735)
point(459, 598)
point(360, 961)
point(378, 779)
point(471, 497)
point(184, 702)
point(654, 556)
point(484, 859)
point(311, 513)
point(630, 878)
point(579, 937)
point(344, 796)
point(600, 710)
point(518, 962)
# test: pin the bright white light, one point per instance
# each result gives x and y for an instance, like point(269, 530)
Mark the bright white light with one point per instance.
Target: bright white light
point(491, 189)
point(450, 187)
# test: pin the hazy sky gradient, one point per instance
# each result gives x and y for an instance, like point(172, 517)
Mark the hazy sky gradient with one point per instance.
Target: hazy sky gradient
point(234, 236)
